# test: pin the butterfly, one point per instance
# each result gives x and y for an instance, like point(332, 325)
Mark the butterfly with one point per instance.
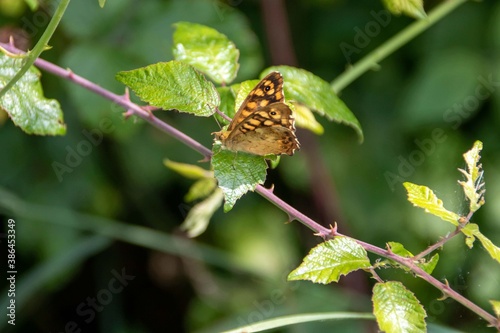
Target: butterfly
point(264, 124)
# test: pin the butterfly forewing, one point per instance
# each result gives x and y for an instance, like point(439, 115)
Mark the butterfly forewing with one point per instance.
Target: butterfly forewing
point(269, 90)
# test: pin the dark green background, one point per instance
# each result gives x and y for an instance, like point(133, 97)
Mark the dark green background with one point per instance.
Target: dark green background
point(422, 88)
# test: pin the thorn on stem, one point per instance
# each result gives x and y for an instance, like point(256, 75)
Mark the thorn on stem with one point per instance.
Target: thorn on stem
point(128, 114)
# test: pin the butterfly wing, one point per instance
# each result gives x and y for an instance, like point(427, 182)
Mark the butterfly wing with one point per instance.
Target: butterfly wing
point(268, 91)
point(267, 130)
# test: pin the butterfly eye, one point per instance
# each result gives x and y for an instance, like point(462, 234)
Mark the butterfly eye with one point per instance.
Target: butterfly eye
point(267, 88)
point(273, 113)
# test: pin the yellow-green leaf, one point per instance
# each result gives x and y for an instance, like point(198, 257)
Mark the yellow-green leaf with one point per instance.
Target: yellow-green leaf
point(304, 118)
point(329, 260)
point(471, 231)
point(187, 170)
point(412, 8)
point(496, 307)
point(399, 249)
point(201, 189)
point(197, 220)
point(427, 265)
point(423, 197)
point(397, 309)
point(474, 184)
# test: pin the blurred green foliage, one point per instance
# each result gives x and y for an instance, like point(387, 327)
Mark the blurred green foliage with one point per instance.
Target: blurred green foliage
point(434, 82)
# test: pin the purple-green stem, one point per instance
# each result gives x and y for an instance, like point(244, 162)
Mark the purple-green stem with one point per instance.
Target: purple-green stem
point(294, 214)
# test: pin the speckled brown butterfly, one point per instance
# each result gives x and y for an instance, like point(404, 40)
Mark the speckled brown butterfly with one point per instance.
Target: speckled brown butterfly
point(263, 124)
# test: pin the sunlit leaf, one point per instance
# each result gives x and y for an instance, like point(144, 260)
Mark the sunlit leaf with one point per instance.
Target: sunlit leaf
point(237, 173)
point(197, 220)
point(399, 249)
point(25, 103)
point(496, 307)
point(492, 249)
point(427, 265)
point(201, 189)
point(306, 88)
point(304, 118)
point(187, 170)
point(471, 231)
point(329, 260)
point(33, 4)
point(173, 85)
point(397, 309)
point(474, 185)
point(207, 50)
point(227, 105)
point(412, 8)
point(423, 197)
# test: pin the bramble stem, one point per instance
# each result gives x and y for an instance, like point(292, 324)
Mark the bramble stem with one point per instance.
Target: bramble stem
point(437, 245)
point(372, 59)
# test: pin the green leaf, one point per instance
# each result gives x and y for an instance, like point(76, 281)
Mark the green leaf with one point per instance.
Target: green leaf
point(102, 3)
point(237, 173)
point(25, 103)
point(399, 249)
point(173, 85)
point(423, 197)
point(304, 118)
point(227, 105)
point(412, 8)
point(201, 189)
point(197, 220)
point(492, 249)
point(207, 50)
point(297, 319)
point(471, 231)
point(474, 186)
point(306, 88)
point(187, 170)
point(397, 309)
point(33, 4)
point(496, 307)
point(427, 265)
point(327, 261)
